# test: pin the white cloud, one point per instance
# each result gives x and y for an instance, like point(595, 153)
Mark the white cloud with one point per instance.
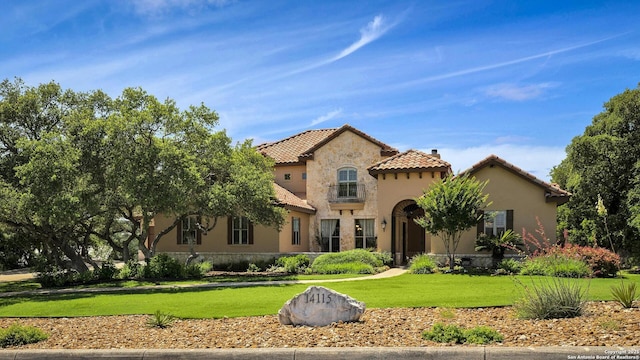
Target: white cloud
point(517, 92)
point(374, 29)
point(537, 160)
point(158, 7)
point(328, 116)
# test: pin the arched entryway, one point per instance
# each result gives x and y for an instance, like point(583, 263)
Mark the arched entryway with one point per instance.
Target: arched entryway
point(407, 237)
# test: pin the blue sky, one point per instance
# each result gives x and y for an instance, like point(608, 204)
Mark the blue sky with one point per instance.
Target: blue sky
point(518, 79)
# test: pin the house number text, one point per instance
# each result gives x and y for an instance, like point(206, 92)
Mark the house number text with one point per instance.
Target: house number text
point(317, 298)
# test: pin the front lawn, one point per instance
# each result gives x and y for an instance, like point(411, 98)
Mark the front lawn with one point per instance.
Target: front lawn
point(442, 290)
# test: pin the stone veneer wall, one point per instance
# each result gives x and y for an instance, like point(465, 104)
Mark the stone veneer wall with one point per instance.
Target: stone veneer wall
point(347, 150)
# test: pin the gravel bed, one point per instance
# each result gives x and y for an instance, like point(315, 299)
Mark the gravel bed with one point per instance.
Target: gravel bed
point(603, 324)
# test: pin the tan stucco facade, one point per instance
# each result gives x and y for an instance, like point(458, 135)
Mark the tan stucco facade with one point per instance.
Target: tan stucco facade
point(392, 181)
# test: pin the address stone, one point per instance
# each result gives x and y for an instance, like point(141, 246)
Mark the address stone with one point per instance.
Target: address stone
point(320, 306)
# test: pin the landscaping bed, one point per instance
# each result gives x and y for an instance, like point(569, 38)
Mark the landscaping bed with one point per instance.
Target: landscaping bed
point(603, 324)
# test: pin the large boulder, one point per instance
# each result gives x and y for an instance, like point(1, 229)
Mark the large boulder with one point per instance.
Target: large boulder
point(319, 306)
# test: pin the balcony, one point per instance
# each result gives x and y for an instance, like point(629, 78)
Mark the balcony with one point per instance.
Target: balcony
point(347, 193)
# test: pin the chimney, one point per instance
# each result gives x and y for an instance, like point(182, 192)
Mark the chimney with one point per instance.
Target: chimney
point(434, 153)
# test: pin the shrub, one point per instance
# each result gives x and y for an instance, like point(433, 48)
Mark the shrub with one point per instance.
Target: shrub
point(131, 270)
point(482, 335)
point(56, 277)
point(444, 334)
point(164, 266)
point(602, 262)
point(16, 335)
point(108, 271)
point(552, 298)
point(344, 268)
point(384, 256)
point(555, 265)
point(358, 261)
point(253, 268)
point(293, 264)
point(625, 294)
point(197, 270)
point(422, 264)
point(510, 266)
point(454, 334)
point(160, 320)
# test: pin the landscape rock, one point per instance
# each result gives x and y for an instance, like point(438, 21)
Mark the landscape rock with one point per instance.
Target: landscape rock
point(320, 306)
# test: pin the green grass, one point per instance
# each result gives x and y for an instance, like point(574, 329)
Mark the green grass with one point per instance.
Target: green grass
point(409, 290)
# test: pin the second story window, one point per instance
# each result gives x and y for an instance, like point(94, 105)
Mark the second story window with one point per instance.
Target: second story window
point(347, 183)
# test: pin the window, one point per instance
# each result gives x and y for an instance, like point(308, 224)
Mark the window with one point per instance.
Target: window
point(330, 235)
point(287, 176)
point(494, 223)
point(188, 232)
point(347, 182)
point(365, 237)
point(240, 231)
point(295, 231)
point(304, 176)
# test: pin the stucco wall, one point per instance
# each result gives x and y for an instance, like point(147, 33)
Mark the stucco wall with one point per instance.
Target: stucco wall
point(266, 239)
point(346, 150)
point(296, 184)
point(286, 233)
point(508, 191)
point(394, 189)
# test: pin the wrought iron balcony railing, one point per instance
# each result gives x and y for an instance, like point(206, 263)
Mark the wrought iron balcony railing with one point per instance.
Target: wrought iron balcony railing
point(347, 193)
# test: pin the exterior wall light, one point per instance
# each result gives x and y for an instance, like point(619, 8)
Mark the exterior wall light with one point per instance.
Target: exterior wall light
point(384, 224)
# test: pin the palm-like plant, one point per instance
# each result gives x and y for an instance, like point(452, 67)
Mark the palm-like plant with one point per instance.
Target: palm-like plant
point(508, 240)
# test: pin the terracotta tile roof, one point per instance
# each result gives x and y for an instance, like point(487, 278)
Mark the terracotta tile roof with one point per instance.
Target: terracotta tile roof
point(288, 151)
point(289, 200)
point(553, 192)
point(300, 147)
point(410, 161)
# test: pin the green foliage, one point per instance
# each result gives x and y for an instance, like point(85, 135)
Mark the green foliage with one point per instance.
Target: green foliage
point(343, 268)
point(252, 268)
point(107, 271)
point(357, 261)
point(17, 335)
point(384, 256)
point(602, 262)
point(510, 266)
point(508, 240)
point(78, 169)
point(625, 294)
point(160, 320)
point(197, 270)
point(445, 334)
point(451, 207)
point(454, 334)
point(422, 264)
point(555, 265)
point(163, 266)
point(551, 298)
point(482, 335)
point(604, 161)
point(131, 270)
point(293, 264)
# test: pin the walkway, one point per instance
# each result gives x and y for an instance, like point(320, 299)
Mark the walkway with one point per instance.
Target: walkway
point(4, 277)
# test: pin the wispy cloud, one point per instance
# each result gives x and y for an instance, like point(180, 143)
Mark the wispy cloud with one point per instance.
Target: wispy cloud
point(159, 7)
point(515, 92)
point(374, 29)
point(328, 116)
point(507, 63)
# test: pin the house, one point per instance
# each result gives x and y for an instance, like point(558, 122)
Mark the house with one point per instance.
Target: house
point(344, 189)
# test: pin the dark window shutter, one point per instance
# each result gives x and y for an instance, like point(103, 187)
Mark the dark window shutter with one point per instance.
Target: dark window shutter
point(230, 230)
point(293, 232)
point(509, 219)
point(179, 232)
point(480, 225)
point(199, 237)
point(250, 233)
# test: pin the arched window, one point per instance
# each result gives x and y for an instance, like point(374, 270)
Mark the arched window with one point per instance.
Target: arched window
point(347, 183)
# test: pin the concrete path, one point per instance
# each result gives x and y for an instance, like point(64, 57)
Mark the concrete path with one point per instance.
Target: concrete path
point(386, 274)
